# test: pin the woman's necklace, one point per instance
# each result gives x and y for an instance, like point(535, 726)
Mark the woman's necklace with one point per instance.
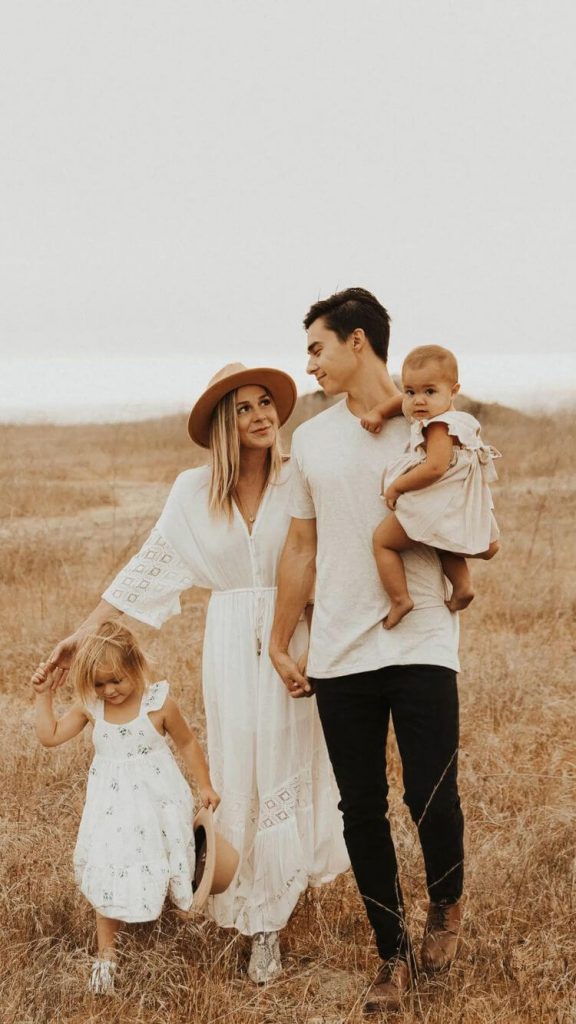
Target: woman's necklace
point(248, 515)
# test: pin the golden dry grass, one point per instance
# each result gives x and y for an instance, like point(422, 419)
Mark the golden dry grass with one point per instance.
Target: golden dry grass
point(75, 502)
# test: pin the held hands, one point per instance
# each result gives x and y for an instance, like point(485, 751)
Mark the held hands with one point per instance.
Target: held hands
point(42, 679)
point(61, 658)
point(209, 797)
point(292, 673)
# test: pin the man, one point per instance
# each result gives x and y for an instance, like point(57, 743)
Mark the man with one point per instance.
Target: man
point(361, 673)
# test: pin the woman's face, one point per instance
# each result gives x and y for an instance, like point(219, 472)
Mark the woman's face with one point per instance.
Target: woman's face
point(257, 417)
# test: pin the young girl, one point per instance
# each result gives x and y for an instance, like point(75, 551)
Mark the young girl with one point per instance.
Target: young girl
point(439, 490)
point(136, 839)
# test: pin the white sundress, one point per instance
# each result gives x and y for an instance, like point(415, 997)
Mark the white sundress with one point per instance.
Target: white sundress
point(136, 841)
point(456, 512)
point(267, 755)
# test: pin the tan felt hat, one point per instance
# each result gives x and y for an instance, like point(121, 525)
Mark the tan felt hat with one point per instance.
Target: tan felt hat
point(236, 375)
point(216, 862)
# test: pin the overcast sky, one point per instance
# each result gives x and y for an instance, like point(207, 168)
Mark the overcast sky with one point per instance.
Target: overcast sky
point(183, 178)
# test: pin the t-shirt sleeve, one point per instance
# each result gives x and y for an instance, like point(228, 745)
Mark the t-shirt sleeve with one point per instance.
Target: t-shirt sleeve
point(148, 588)
point(301, 503)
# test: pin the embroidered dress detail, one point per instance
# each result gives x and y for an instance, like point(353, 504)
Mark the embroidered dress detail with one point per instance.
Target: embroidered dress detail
point(149, 585)
point(135, 842)
point(456, 512)
point(267, 755)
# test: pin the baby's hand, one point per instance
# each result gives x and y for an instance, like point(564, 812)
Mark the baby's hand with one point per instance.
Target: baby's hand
point(209, 797)
point(391, 496)
point(372, 421)
point(42, 678)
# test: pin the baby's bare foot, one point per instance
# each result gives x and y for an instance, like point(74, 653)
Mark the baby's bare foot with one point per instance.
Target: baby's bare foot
point(460, 599)
point(397, 612)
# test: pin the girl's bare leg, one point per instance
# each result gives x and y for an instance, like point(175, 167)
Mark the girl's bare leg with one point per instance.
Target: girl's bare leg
point(389, 539)
point(107, 929)
point(456, 569)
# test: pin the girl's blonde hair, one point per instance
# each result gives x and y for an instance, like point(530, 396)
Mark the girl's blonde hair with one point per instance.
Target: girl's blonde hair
point(112, 649)
point(446, 360)
point(225, 448)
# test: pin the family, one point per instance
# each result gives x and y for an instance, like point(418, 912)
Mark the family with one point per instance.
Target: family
point(336, 576)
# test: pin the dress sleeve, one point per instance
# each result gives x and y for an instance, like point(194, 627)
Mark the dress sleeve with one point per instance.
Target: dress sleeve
point(148, 588)
point(155, 696)
point(461, 425)
point(301, 503)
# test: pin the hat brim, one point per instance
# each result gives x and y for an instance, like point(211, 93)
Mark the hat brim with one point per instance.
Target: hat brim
point(216, 862)
point(279, 384)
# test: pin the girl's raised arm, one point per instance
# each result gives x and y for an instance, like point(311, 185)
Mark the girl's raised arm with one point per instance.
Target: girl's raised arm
point(52, 731)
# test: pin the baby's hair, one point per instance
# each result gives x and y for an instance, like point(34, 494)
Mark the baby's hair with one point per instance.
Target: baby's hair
point(112, 649)
point(418, 358)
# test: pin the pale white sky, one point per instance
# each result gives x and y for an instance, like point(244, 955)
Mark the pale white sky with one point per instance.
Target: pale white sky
point(181, 179)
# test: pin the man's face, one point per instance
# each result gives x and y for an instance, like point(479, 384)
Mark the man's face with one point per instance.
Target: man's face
point(330, 360)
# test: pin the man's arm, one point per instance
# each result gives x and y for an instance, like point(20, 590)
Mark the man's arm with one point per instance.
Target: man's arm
point(295, 583)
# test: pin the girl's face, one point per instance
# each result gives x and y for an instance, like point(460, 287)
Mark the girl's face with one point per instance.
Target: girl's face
point(257, 417)
point(113, 687)
point(427, 393)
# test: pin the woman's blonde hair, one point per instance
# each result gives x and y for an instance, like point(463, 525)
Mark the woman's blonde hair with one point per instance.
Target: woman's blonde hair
point(225, 448)
point(113, 648)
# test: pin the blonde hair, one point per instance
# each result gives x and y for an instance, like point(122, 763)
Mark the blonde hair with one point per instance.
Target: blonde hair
point(446, 360)
point(112, 649)
point(225, 448)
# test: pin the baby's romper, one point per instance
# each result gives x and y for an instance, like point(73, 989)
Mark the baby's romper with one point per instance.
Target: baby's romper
point(135, 841)
point(454, 513)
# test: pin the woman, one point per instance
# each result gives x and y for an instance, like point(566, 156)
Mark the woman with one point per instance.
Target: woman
point(223, 527)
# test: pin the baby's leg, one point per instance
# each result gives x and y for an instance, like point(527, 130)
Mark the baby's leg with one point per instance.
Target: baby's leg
point(492, 550)
point(456, 569)
point(389, 539)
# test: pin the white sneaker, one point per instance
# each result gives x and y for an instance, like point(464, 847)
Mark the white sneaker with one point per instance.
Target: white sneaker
point(102, 978)
point(265, 961)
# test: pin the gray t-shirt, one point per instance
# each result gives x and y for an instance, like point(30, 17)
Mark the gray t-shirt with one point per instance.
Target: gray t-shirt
point(336, 476)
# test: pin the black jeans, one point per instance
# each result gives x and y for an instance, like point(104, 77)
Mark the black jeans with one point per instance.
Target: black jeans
point(355, 711)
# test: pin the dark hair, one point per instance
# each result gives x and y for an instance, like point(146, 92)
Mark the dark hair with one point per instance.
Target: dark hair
point(344, 311)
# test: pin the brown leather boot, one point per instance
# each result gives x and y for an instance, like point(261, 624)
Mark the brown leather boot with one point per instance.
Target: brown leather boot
point(388, 988)
point(440, 941)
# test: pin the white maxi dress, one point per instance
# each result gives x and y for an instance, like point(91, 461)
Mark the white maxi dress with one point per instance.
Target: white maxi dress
point(267, 755)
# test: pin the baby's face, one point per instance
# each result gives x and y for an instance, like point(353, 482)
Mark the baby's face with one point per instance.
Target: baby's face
point(427, 392)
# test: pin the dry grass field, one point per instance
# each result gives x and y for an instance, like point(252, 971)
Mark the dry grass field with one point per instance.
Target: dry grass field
point(74, 502)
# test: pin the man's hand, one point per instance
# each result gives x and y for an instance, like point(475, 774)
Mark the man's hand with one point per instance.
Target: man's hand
point(291, 675)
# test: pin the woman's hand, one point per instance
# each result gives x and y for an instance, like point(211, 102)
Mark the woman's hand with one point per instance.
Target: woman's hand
point(61, 658)
point(209, 797)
